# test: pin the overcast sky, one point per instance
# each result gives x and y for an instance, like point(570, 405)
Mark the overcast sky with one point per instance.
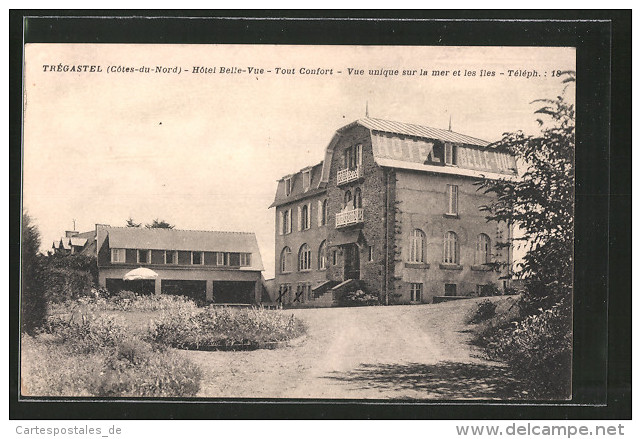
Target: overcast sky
point(204, 151)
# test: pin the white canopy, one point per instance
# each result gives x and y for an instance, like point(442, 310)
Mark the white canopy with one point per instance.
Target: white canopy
point(140, 273)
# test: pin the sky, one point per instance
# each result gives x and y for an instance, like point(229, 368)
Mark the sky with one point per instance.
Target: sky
point(204, 150)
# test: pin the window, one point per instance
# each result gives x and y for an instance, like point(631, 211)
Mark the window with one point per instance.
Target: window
point(353, 156)
point(450, 289)
point(358, 201)
point(118, 255)
point(170, 257)
point(245, 259)
point(482, 254)
point(144, 256)
point(322, 256)
point(233, 259)
point(417, 246)
point(304, 258)
point(334, 257)
point(416, 292)
point(306, 180)
point(197, 258)
point(305, 220)
point(322, 212)
point(347, 199)
point(288, 186)
point(450, 154)
point(285, 221)
point(452, 199)
point(370, 253)
point(220, 258)
point(286, 260)
point(450, 249)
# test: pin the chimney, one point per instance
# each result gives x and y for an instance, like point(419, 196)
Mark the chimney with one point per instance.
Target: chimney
point(70, 233)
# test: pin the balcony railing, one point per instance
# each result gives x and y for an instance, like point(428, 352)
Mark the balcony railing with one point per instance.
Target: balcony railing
point(349, 217)
point(346, 175)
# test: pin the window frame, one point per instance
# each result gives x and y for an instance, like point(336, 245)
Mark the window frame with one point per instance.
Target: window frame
point(483, 255)
point(174, 257)
point(304, 257)
point(286, 259)
point(449, 155)
point(451, 251)
point(322, 255)
point(121, 251)
point(202, 257)
point(307, 179)
point(416, 287)
point(147, 259)
point(417, 247)
point(288, 186)
point(452, 199)
point(245, 259)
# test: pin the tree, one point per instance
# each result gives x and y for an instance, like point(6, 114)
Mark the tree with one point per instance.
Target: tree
point(33, 297)
point(541, 202)
point(132, 223)
point(159, 224)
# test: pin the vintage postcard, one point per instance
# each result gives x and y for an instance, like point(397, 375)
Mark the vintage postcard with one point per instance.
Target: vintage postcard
point(297, 221)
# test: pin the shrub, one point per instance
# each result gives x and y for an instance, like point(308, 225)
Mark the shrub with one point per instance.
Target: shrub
point(539, 347)
point(33, 295)
point(68, 277)
point(484, 310)
point(222, 328)
point(358, 298)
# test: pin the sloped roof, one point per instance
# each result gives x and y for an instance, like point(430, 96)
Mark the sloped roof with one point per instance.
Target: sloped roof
point(408, 129)
point(185, 240)
point(77, 242)
point(298, 192)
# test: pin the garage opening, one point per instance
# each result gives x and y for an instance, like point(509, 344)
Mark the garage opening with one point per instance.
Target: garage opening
point(194, 289)
point(142, 287)
point(234, 292)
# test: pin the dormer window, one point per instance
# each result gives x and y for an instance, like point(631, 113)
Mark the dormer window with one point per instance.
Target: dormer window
point(288, 186)
point(306, 180)
point(450, 154)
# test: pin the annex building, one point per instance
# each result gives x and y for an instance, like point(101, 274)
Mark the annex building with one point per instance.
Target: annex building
point(392, 210)
point(209, 266)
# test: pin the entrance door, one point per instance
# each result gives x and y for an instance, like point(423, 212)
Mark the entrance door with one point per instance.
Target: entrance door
point(352, 262)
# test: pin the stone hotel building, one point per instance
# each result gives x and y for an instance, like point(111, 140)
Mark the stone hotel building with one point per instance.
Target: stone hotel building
point(392, 210)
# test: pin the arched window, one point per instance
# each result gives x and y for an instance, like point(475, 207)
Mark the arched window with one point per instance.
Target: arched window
point(450, 248)
point(417, 246)
point(286, 260)
point(348, 199)
point(358, 202)
point(483, 246)
point(304, 258)
point(322, 256)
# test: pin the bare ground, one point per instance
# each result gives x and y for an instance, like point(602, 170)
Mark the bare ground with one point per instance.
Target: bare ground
point(397, 352)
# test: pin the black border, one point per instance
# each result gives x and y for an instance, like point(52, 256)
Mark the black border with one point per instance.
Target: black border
point(603, 208)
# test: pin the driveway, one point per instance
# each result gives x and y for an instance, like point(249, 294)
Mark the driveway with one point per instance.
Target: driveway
point(407, 352)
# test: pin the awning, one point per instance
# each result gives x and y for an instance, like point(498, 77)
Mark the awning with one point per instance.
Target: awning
point(140, 273)
point(348, 237)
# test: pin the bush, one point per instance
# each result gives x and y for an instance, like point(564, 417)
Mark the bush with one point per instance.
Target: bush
point(539, 347)
point(69, 277)
point(484, 310)
point(88, 356)
point(224, 328)
point(33, 296)
point(358, 298)
point(123, 301)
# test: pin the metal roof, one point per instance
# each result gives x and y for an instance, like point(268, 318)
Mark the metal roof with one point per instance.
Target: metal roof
point(409, 129)
point(185, 240)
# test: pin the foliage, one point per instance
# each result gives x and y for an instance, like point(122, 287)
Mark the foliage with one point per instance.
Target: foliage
point(539, 347)
point(485, 310)
point(33, 294)
point(541, 202)
point(159, 224)
point(358, 298)
point(88, 356)
point(100, 300)
point(68, 277)
point(224, 328)
point(131, 223)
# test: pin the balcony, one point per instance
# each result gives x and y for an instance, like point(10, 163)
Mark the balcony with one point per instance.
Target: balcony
point(349, 217)
point(346, 175)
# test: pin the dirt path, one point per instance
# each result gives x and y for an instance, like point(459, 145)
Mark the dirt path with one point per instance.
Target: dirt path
point(360, 353)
